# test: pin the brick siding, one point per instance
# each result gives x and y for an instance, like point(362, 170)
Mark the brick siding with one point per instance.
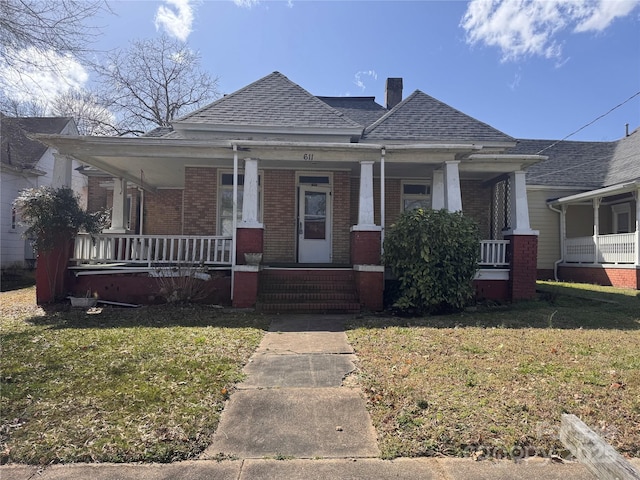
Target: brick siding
point(279, 214)
point(610, 276)
point(163, 212)
point(201, 201)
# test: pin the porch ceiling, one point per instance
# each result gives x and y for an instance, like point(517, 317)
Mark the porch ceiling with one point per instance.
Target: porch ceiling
point(160, 163)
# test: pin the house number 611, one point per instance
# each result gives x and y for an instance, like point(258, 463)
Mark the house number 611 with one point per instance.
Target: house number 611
point(308, 156)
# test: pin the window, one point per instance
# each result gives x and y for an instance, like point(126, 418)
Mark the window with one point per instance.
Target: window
point(225, 202)
point(415, 195)
point(621, 218)
point(14, 218)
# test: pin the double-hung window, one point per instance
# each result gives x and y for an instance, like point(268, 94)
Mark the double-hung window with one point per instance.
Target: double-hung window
point(225, 201)
point(416, 195)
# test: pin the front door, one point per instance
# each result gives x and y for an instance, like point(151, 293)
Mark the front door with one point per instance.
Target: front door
point(314, 225)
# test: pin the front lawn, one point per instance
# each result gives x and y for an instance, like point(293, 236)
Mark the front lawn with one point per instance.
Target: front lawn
point(114, 384)
point(497, 380)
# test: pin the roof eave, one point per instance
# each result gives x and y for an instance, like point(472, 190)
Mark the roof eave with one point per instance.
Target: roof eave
point(600, 192)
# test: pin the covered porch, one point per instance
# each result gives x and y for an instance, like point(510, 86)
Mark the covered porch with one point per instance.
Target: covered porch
point(600, 236)
point(208, 203)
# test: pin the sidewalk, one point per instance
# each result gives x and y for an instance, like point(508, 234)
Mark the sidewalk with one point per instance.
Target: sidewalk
point(292, 418)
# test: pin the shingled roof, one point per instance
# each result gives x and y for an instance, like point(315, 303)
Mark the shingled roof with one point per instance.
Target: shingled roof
point(583, 164)
point(625, 164)
point(420, 117)
point(272, 101)
point(18, 150)
point(363, 110)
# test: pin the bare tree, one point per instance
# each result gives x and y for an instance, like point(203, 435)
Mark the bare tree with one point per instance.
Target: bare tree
point(90, 116)
point(45, 25)
point(17, 108)
point(154, 81)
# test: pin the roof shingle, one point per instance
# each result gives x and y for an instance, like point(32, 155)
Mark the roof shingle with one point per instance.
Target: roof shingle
point(420, 117)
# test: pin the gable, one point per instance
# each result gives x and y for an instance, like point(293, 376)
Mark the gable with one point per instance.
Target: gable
point(16, 148)
point(273, 103)
point(421, 117)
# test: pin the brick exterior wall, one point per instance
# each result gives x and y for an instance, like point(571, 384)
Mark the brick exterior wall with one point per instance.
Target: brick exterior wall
point(201, 201)
point(610, 276)
point(476, 204)
point(163, 212)
point(391, 196)
point(341, 217)
point(279, 214)
point(523, 260)
point(101, 198)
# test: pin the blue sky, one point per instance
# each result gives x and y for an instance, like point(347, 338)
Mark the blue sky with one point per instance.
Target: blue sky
point(531, 68)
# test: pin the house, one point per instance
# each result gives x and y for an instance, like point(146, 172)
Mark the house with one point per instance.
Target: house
point(27, 163)
point(584, 201)
point(309, 184)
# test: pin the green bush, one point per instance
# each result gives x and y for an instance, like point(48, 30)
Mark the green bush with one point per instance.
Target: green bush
point(51, 214)
point(434, 255)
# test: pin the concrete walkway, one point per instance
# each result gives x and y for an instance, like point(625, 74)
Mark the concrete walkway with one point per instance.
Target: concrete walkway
point(293, 419)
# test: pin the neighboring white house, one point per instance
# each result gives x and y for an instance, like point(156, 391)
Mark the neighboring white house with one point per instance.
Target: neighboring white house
point(27, 163)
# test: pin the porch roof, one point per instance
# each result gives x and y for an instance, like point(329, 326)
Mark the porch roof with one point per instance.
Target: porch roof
point(600, 192)
point(154, 163)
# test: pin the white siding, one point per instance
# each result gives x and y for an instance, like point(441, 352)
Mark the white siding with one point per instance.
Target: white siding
point(12, 245)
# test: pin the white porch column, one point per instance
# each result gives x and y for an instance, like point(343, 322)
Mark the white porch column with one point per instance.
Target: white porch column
point(519, 205)
point(437, 190)
point(118, 214)
point(250, 195)
point(61, 171)
point(365, 204)
point(453, 197)
point(596, 229)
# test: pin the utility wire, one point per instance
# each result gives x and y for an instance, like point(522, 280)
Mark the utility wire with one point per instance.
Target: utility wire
point(590, 123)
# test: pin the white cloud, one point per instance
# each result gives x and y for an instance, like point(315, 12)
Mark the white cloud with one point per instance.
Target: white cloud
point(247, 3)
point(176, 19)
point(359, 81)
point(522, 28)
point(33, 79)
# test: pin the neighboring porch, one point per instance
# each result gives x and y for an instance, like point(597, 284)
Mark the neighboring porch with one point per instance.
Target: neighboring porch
point(610, 254)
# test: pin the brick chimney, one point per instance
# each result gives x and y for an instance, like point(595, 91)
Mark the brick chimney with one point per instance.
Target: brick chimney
point(393, 92)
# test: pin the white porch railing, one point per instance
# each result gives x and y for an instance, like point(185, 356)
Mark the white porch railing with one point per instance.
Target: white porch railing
point(152, 250)
point(493, 253)
point(615, 248)
point(155, 250)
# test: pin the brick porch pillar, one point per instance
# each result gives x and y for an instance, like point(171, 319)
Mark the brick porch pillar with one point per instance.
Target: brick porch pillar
point(366, 245)
point(52, 276)
point(523, 243)
point(249, 239)
point(523, 264)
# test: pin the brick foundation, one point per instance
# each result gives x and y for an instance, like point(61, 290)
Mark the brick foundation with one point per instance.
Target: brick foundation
point(602, 275)
point(140, 288)
point(365, 247)
point(496, 290)
point(523, 253)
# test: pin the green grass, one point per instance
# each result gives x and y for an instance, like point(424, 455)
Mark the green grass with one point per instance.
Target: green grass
point(117, 385)
point(498, 379)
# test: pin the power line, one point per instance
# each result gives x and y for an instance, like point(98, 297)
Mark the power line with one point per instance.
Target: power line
point(590, 123)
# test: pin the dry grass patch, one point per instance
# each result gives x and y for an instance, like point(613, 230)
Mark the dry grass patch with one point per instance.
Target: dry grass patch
point(497, 380)
point(118, 385)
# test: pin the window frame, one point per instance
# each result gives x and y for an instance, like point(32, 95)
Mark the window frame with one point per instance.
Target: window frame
point(617, 210)
point(221, 188)
point(409, 196)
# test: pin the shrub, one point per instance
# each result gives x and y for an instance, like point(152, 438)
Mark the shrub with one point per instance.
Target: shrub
point(54, 214)
point(434, 255)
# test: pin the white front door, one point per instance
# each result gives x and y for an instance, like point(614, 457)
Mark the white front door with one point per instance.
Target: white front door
point(314, 225)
